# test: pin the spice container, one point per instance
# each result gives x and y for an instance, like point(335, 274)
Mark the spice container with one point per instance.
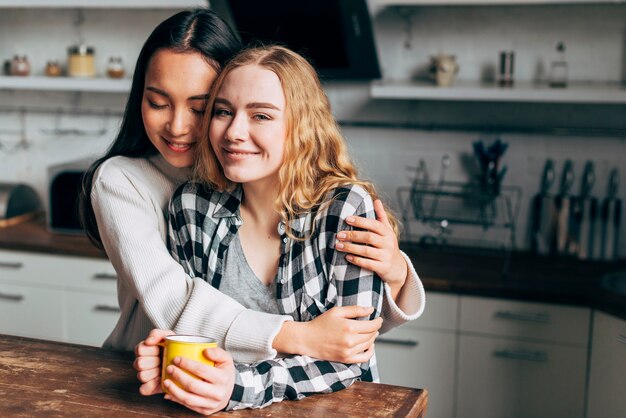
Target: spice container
point(81, 61)
point(558, 68)
point(507, 64)
point(20, 65)
point(53, 69)
point(115, 69)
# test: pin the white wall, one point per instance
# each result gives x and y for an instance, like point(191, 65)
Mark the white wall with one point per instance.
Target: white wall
point(384, 135)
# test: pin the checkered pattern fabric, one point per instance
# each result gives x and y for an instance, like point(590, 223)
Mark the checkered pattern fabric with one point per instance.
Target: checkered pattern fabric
point(312, 277)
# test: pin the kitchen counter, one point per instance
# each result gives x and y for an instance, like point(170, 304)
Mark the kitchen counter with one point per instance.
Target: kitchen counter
point(455, 270)
point(42, 379)
point(33, 236)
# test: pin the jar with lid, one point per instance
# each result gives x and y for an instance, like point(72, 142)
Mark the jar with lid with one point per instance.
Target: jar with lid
point(115, 68)
point(81, 61)
point(20, 65)
point(53, 69)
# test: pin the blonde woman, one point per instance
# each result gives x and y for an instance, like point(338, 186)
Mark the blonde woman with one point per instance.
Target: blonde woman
point(274, 188)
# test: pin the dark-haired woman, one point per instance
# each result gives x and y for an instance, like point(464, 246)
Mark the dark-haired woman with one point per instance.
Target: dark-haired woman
point(125, 199)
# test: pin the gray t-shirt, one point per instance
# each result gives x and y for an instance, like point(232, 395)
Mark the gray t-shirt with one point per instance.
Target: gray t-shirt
point(240, 283)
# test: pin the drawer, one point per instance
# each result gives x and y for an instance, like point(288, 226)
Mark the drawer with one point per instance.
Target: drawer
point(31, 312)
point(440, 313)
point(57, 271)
point(420, 359)
point(90, 317)
point(539, 321)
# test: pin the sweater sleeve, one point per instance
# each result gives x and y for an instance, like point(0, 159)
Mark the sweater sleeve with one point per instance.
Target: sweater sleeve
point(129, 228)
point(409, 304)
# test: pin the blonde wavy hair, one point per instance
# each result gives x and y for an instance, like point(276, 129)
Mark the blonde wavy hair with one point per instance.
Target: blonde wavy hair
point(316, 159)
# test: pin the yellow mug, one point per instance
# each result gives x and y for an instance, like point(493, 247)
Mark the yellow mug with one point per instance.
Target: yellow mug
point(188, 346)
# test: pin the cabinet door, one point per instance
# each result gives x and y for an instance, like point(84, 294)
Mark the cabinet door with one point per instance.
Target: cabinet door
point(501, 377)
point(420, 359)
point(90, 317)
point(607, 380)
point(31, 312)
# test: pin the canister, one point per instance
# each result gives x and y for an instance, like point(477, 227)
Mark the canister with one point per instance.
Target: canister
point(81, 61)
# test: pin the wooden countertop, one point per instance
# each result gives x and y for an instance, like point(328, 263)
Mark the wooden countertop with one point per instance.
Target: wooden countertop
point(43, 379)
point(34, 236)
point(455, 270)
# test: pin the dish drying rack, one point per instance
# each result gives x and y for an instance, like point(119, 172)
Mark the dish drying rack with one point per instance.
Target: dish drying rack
point(439, 207)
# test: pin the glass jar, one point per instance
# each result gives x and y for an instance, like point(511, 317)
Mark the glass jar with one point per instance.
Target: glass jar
point(115, 68)
point(20, 65)
point(81, 61)
point(53, 69)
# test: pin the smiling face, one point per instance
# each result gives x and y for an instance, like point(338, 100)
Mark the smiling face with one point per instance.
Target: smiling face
point(174, 98)
point(248, 128)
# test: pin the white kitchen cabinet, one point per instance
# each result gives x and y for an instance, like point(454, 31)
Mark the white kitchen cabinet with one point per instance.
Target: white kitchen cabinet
point(60, 298)
point(607, 378)
point(521, 359)
point(90, 317)
point(422, 354)
point(30, 311)
point(500, 377)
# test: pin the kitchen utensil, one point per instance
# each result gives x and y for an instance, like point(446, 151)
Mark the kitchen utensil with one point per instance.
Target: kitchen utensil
point(563, 206)
point(584, 211)
point(18, 203)
point(611, 218)
point(544, 214)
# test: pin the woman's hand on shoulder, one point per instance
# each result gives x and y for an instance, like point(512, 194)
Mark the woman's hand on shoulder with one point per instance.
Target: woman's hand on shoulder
point(376, 248)
point(336, 336)
point(148, 362)
point(211, 391)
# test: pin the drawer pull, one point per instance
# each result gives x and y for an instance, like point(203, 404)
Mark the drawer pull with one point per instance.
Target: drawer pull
point(525, 355)
point(16, 298)
point(11, 265)
point(104, 276)
point(538, 317)
point(621, 338)
point(393, 341)
point(106, 308)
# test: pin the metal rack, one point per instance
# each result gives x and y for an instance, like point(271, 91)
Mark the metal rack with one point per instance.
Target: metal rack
point(443, 206)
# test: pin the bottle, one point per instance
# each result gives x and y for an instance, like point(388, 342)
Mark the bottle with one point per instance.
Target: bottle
point(507, 64)
point(558, 68)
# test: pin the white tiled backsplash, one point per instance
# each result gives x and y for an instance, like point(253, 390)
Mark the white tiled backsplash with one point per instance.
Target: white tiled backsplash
point(474, 34)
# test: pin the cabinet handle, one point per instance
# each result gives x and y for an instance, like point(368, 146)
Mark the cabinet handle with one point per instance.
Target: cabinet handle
point(621, 338)
point(15, 298)
point(11, 265)
point(537, 356)
point(393, 341)
point(538, 317)
point(104, 276)
point(106, 308)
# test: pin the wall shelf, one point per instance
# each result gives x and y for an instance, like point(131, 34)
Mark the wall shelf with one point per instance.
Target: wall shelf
point(387, 3)
point(522, 92)
point(103, 4)
point(103, 85)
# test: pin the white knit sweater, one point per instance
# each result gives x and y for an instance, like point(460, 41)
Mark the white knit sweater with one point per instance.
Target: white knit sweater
point(129, 198)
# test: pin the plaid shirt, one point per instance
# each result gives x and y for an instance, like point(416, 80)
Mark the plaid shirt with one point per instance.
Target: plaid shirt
point(312, 277)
